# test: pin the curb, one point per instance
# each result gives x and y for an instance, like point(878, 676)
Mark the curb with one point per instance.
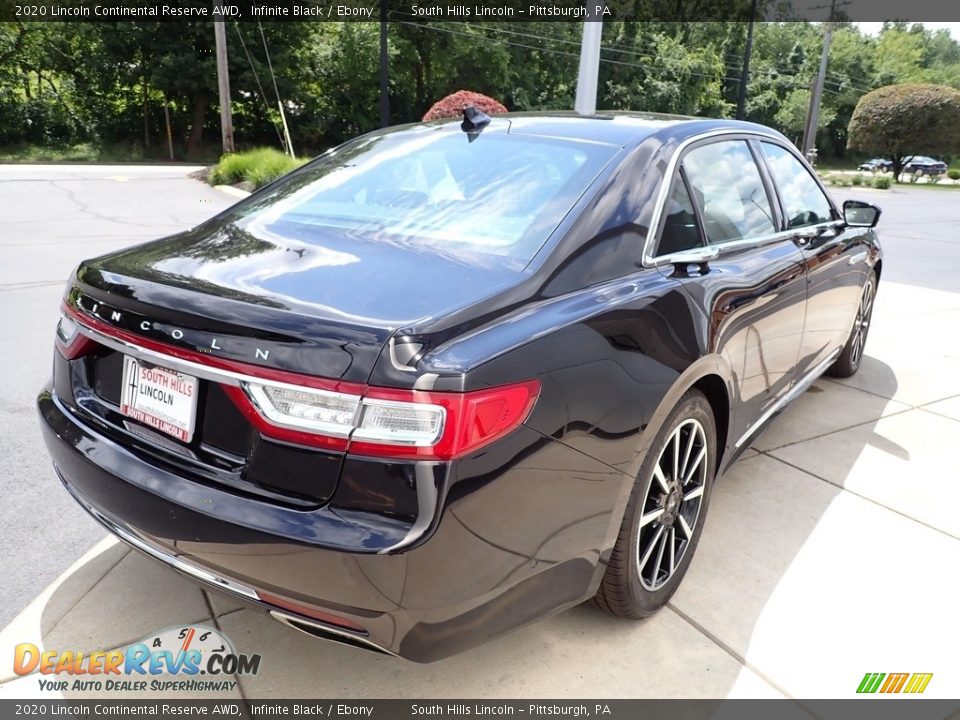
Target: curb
point(231, 190)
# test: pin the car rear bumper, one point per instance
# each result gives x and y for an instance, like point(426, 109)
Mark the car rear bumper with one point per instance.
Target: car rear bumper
point(424, 602)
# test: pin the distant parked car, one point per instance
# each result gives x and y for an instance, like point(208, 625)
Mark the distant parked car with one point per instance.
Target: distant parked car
point(876, 165)
point(923, 165)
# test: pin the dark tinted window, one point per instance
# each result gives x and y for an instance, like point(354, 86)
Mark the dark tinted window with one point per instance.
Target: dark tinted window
point(726, 183)
point(680, 230)
point(803, 199)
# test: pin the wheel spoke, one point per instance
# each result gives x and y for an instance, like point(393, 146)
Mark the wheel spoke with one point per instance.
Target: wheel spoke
point(650, 517)
point(695, 493)
point(696, 463)
point(676, 454)
point(658, 474)
point(659, 561)
point(673, 556)
point(650, 548)
point(691, 440)
point(685, 527)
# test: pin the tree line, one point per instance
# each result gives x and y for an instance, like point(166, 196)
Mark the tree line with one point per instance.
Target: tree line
point(114, 84)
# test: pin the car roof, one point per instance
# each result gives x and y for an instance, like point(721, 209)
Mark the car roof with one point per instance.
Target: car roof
point(620, 128)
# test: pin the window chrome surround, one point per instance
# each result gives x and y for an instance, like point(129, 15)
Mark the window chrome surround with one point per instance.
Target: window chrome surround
point(711, 252)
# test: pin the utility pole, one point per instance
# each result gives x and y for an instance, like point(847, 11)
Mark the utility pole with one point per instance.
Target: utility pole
point(813, 113)
point(745, 70)
point(384, 68)
point(586, 100)
point(223, 82)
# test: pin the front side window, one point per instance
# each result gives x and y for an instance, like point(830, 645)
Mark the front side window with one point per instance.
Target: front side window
point(726, 184)
point(803, 200)
point(680, 231)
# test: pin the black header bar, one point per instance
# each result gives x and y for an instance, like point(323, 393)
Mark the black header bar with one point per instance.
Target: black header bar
point(479, 11)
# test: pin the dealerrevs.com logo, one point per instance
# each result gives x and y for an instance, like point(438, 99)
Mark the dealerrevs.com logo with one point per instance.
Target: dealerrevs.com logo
point(894, 683)
point(178, 654)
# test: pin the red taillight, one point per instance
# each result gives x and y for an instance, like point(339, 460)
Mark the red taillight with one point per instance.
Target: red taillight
point(473, 419)
point(344, 416)
point(70, 341)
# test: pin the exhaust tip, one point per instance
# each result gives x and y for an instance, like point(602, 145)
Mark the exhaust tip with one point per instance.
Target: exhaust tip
point(327, 632)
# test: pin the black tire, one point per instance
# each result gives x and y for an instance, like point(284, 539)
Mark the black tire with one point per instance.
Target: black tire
point(629, 589)
point(850, 358)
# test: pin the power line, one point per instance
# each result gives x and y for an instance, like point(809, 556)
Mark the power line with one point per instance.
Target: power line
point(263, 95)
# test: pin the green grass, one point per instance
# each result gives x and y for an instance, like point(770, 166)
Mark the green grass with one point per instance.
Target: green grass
point(940, 187)
point(79, 153)
point(90, 153)
point(258, 167)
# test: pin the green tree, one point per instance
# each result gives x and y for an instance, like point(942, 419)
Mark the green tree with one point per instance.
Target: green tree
point(902, 120)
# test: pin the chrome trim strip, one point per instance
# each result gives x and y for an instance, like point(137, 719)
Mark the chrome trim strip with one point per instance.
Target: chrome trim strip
point(711, 252)
point(796, 391)
point(294, 621)
point(224, 377)
point(260, 402)
point(167, 558)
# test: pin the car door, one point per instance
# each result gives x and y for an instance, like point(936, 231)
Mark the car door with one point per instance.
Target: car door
point(835, 257)
point(720, 236)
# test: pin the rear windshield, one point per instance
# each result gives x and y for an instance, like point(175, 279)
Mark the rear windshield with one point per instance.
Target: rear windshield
point(496, 194)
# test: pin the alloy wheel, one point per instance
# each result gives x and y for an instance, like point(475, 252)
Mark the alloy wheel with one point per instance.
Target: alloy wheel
point(862, 324)
point(671, 507)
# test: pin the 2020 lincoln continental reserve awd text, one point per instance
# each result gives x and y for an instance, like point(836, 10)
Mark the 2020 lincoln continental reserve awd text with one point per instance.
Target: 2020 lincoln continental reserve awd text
point(449, 378)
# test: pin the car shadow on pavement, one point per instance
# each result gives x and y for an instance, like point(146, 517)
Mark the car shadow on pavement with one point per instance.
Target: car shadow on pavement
point(786, 556)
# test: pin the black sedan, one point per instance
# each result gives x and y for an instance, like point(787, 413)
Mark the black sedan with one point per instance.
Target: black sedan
point(876, 165)
point(923, 165)
point(449, 378)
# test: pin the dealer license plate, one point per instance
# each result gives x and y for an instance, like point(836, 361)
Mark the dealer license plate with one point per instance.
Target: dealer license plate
point(159, 397)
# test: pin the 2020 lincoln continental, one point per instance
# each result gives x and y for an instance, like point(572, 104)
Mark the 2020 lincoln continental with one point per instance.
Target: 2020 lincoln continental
point(452, 377)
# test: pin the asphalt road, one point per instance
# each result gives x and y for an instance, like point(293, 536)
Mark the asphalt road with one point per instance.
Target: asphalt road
point(52, 217)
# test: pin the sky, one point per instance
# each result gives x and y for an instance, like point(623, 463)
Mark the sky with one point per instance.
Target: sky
point(874, 27)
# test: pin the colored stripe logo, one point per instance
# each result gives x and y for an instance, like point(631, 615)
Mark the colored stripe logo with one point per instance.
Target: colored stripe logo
point(913, 683)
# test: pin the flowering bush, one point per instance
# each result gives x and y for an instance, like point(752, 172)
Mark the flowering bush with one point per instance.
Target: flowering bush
point(452, 105)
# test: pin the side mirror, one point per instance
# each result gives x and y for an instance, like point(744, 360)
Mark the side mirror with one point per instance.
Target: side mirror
point(860, 214)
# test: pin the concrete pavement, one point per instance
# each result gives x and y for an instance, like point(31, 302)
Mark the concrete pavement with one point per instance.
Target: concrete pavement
point(829, 551)
point(51, 218)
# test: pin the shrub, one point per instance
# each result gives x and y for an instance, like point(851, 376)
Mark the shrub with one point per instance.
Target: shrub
point(953, 174)
point(258, 167)
point(857, 180)
point(452, 105)
point(882, 182)
point(934, 178)
point(868, 181)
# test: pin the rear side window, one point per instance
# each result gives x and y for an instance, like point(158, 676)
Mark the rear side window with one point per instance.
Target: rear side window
point(726, 185)
point(803, 200)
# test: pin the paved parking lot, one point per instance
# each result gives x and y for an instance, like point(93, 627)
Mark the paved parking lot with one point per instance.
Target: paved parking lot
point(830, 550)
